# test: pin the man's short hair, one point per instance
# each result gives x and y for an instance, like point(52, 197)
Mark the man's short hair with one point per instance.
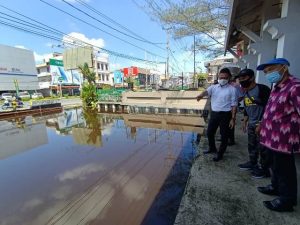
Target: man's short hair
point(246, 72)
point(225, 70)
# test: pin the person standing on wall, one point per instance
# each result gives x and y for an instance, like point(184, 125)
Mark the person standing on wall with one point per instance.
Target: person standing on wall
point(224, 105)
point(255, 99)
point(279, 133)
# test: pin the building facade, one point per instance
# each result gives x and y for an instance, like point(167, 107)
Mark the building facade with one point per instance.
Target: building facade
point(260, 30)
point(17, 70)
point(214, 66)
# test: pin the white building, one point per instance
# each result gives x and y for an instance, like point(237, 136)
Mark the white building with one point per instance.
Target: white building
point(214, 66)
point(103, 74)
point(17, 66)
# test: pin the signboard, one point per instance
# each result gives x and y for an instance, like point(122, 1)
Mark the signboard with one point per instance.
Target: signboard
point(131, 71)
point(75, 57)
point(118, 77)
point(59, 75)
point(17, 64)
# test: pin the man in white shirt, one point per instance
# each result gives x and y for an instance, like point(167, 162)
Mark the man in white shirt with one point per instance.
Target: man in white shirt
point(223, 104)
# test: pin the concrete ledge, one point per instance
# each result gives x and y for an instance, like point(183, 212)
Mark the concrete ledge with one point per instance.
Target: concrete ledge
point(165, 99)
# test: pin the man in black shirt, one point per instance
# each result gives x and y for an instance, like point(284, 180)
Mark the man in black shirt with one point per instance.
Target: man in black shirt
point(255, 99)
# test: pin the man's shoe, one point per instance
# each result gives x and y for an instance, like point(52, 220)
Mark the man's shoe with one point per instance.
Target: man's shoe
point(268, 190)
point(209, 151)
point(217, 158)
point(260, 173)
point(278, 205)
point(246, 166)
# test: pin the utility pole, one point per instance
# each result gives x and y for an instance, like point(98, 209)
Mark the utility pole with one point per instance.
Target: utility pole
point(168, 49)
point(181, 80)
point(195, 78)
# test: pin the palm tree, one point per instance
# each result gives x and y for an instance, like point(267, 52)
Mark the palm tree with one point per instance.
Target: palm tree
point(87, 74)
point(88, 93)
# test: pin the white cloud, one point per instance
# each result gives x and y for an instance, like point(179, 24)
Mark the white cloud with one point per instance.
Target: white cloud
point(81, 37)
point(31, 204)
point(20, 46)
point(80, 172)
point(62, 192)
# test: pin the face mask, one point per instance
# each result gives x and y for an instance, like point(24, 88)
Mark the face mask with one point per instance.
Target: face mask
point(273, 77)
point(245, 83)
point(222, 82)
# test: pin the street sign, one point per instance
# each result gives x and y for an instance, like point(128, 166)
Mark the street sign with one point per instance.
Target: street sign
point(60, 79)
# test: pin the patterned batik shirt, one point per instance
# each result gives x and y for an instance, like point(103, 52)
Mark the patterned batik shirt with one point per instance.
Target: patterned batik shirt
point(280, 127)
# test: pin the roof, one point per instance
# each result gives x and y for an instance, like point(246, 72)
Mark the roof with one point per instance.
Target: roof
point(247, 13)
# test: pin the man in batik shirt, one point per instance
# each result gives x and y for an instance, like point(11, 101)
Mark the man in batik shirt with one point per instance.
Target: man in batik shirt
point(279, 133)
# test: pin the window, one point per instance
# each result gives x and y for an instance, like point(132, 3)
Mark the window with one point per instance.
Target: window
point(102, 66)
point(98, 66)
point(38, 71)
point(106, 67)
point(107, 77)
point(102, 76)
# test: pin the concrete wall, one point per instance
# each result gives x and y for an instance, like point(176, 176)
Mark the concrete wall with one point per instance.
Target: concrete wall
point(165, 99)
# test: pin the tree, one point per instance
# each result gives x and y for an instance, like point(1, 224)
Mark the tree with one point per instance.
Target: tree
point(89, 92)
point(204, 18)
point(87, 74)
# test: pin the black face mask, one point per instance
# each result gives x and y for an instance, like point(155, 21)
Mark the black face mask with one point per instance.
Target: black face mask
point(246, 83)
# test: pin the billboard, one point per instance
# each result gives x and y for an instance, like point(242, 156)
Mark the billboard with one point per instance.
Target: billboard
point(75, 57)
point(58, 73)
point(17, 64)
point(118, 77)
point(131, 71)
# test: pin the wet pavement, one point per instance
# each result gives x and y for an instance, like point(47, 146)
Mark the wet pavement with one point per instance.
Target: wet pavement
point(89, 168)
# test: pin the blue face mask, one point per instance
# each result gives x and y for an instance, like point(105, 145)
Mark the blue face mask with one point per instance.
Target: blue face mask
point(273, 77)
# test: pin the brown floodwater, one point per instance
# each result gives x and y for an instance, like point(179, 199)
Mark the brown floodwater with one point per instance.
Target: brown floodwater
point(88, 168)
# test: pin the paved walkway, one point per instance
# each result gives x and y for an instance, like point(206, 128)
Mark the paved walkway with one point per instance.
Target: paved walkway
point(220, 193)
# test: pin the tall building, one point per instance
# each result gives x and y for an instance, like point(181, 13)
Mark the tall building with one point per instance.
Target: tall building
point(103, 74)
point(17, 69)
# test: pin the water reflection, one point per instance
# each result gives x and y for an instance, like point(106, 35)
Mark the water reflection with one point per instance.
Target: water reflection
point(87, 168)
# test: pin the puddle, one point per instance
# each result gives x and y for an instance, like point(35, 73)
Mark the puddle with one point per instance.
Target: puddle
point(89, 168)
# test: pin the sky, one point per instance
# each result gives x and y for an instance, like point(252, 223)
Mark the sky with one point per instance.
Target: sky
point(124, 12)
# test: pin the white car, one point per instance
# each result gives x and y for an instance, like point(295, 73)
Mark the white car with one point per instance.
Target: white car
point(37, 95)
point(6, 96)
point(24, 94)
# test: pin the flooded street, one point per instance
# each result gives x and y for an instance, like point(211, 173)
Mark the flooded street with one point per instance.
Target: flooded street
point(88, 168)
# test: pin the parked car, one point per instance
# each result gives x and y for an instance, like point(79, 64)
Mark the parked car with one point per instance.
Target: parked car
point(37, 95)
point(24, 95)
point(6, 96)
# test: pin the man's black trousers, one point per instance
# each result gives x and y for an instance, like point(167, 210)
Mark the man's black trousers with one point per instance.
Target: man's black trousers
point(222, 120)
point(284, 177)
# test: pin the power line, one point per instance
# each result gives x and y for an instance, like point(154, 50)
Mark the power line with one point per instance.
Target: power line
point(55, 31)
point(65, 12)
point(115, 22)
